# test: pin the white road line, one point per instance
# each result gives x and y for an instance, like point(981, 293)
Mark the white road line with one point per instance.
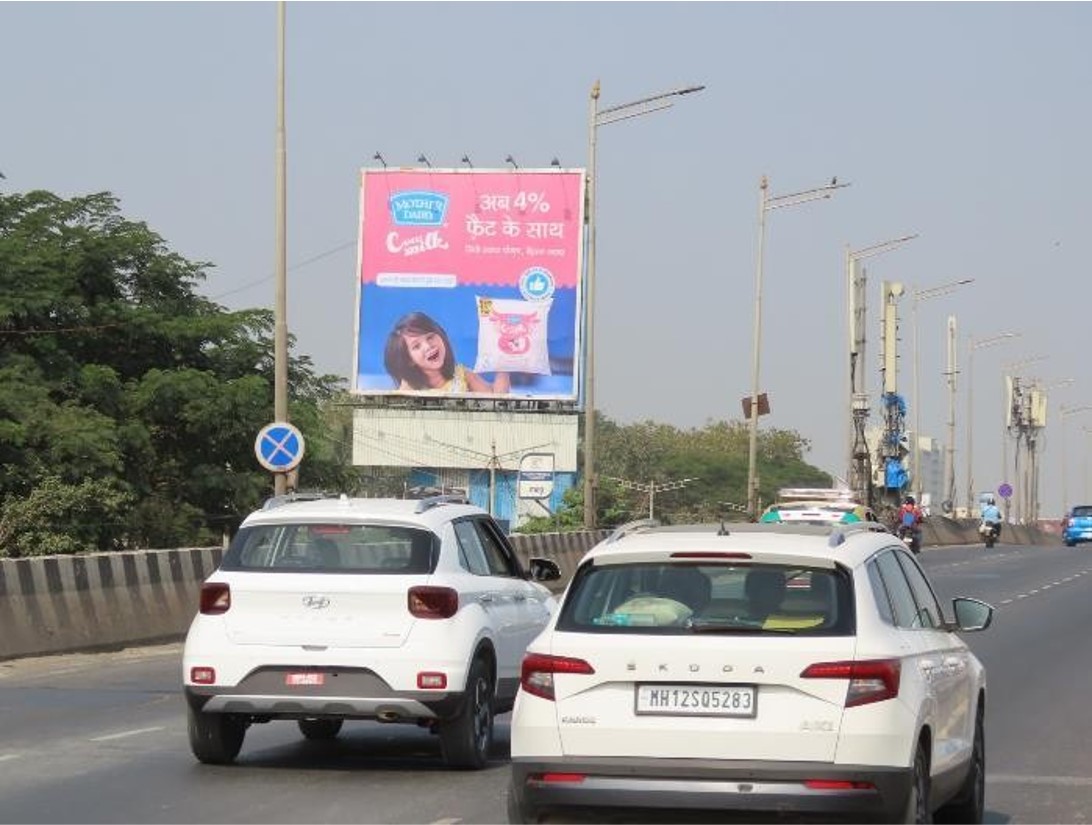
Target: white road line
point(451, 820)
point(1022, 596)
point(7, 757)
point(1007, 601)
point(1012, 779)
point(123, 734)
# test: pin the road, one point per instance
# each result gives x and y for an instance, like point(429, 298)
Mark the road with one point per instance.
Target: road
point(102, 737)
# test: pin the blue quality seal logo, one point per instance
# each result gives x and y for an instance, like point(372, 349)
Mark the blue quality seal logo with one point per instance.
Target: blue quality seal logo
point(536, 284)
point(418, 208)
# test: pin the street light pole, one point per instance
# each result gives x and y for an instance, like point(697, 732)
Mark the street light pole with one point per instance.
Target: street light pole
point(767, 203)
point(923, 295)
point(280, 307)
point(972, 345)
point(601, 117)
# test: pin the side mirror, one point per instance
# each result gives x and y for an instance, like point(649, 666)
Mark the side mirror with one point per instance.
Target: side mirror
point(971, 614)
point(543, 570)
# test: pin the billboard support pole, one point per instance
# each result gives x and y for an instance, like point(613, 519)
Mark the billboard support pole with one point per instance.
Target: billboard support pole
point(589, 324)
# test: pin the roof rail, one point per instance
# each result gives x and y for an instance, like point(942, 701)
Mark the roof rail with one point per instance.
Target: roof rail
point(289, 498)
point(435, 501)
point(624, 530)
point(840, 531)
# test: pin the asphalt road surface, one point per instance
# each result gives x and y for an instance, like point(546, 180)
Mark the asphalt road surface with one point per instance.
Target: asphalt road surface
point(102, 737)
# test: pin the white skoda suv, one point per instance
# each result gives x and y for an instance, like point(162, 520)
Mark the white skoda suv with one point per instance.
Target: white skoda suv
point(334, 609)
point(756, 670)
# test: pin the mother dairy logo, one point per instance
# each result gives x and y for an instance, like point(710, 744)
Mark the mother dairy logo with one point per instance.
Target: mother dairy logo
point(418, 208)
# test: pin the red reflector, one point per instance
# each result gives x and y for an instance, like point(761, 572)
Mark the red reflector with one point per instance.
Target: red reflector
point(215, 598)
point(709, 554)
point(203, 675)
point(428, 602)
point(837, 785)
point(432, 681)
point(562, 777)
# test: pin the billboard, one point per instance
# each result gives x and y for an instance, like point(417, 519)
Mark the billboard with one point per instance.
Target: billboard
point(468, 283)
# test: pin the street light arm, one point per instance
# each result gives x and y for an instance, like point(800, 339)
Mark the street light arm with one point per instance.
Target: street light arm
point(879, 248)
point(683, 90)
point(937, 291)
point(993, 340)
point(604, 121)
point(797, 198)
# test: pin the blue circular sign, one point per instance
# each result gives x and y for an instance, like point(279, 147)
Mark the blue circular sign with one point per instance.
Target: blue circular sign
point(279, 447)
point(1005, 490)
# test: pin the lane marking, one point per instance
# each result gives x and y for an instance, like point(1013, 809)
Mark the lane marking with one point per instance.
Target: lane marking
point(451, 820)
point(123, 734)
point(7, 757)
point(1066, 781)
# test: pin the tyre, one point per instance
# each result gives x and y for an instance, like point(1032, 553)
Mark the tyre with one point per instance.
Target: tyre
point(970, 804)
point(917, 808)
point(320, 728)
point(466, 738)
point(1071, 544)
point(215, 738)
point(990, 541)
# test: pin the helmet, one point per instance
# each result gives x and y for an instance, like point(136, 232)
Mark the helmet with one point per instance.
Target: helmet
point(909, 500)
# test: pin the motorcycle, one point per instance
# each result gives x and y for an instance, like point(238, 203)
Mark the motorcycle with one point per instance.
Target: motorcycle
point(989, 531)
point(911, 536)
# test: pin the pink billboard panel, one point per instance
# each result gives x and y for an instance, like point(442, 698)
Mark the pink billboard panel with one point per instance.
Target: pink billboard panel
point(469, 283)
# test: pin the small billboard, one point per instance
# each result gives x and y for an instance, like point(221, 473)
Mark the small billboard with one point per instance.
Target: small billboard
point(536, 476)
point(469, 283)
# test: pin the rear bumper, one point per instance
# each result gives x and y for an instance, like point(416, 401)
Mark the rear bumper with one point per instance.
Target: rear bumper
point(694, 784)
point(347, 693)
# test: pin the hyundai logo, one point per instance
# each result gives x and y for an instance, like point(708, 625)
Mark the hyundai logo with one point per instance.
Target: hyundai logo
point(316, 602)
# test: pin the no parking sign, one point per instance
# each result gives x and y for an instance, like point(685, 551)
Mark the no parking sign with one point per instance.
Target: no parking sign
point(279, 447)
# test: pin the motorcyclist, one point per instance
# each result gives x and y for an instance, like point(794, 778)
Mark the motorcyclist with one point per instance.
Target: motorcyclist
point(908, 521)
point(991, 515)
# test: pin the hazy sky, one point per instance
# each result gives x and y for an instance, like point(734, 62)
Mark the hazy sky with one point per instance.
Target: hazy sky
point(965, 122)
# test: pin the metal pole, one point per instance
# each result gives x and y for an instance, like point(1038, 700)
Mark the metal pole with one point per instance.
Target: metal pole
point(651, 498)
point(970, 426)
point(280, 340)
point(752, 451)
point(589, 349)
point(1006, 402)
point(917, 404)
point(949, 458)
point(1065, 492)
point(851, 308)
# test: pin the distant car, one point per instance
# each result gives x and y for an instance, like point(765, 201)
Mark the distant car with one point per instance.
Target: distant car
point(752, 670)
point(1078, 525)
point(337, 608)
point(817, 512)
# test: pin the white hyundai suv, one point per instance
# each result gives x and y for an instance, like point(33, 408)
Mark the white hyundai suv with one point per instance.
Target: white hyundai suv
point(753, 669)
point(337, 608)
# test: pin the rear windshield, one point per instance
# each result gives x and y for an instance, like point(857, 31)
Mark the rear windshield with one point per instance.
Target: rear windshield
point(674, 599)
point(1082, 511)
point(333, 548)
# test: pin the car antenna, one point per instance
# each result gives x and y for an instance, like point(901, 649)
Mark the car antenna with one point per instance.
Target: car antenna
point(723, 531)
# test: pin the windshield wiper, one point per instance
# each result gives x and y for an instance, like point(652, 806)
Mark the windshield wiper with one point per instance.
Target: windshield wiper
point(735, 627)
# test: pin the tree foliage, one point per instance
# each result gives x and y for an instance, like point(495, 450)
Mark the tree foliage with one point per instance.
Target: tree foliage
point(715, 456)
point(129, 403)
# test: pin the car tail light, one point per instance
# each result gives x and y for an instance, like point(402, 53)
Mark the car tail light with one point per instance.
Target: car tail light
point(427, 602)
point(709, 554)
point(203, 675)
point(869, 681)
point(215, 598)
point(537, 676)
point(431, 681)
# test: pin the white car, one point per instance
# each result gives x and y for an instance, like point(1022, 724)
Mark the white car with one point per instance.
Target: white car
point(337, 608)
point(753, 669)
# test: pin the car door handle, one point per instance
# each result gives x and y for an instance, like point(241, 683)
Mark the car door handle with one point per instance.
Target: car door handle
point(486, 598)
point(519, 597)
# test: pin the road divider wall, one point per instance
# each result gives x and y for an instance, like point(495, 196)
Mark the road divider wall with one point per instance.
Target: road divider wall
point(59, 604)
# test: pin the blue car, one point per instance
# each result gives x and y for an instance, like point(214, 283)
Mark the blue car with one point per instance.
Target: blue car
point(1078, 525)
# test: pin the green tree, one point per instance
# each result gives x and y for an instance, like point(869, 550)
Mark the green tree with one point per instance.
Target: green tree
point(116, 373)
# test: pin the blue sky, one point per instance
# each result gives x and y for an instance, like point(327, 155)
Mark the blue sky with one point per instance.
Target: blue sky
point(965, 122)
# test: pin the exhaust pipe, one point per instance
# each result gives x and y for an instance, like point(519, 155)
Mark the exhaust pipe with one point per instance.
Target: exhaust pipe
point(388, 716)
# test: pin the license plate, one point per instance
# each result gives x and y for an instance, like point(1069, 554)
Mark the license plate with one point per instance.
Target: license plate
point(696, 700)
point(297, 679)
